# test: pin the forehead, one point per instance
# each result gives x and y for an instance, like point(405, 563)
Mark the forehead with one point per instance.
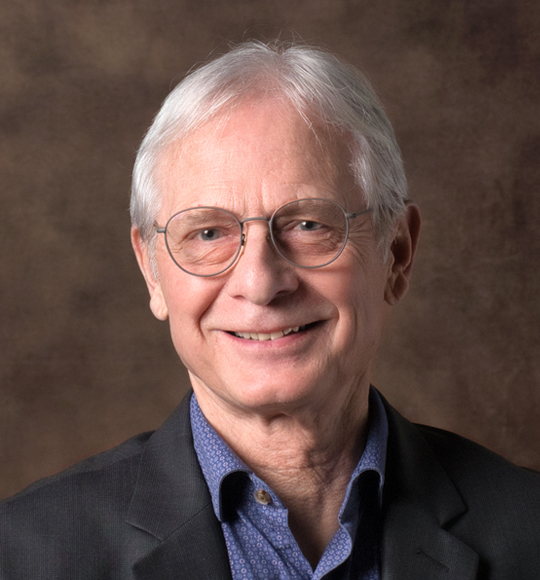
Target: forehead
point(259, 154)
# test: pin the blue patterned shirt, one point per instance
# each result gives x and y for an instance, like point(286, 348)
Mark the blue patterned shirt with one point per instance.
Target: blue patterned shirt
point(254, 520)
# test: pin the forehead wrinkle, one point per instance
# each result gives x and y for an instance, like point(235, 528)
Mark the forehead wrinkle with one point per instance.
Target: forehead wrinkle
point(323, 153)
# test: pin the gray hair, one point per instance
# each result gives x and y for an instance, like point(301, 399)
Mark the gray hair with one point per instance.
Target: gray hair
point(313, 82)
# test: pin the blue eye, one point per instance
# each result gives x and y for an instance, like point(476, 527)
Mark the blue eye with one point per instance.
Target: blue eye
point(309, 226)
point(210, 234)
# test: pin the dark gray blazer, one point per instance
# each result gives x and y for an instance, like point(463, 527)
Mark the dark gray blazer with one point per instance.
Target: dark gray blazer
point(452, 511)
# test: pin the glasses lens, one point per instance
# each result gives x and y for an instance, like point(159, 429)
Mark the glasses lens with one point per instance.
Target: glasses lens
point(203, 241)
point(310, 232)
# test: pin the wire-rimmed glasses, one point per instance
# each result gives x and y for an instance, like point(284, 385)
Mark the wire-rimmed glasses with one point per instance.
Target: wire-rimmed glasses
point(308, 233)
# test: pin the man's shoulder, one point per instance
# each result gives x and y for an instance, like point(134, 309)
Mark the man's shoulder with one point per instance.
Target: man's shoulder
point(441, 487)
point(433, 463)
point(107, 512)
point(51, 527)
point(113, 470)
point(105, 483)
point(463, 460)
point(454, 475)
point(467, 461)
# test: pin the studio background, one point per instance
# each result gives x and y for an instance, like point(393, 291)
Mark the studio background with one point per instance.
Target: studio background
point(84, 365)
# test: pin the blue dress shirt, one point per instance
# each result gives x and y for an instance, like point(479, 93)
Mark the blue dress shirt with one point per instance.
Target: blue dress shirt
point(254, 520)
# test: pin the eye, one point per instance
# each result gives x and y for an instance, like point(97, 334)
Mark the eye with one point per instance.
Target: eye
point(210, 234)
point(309, 226)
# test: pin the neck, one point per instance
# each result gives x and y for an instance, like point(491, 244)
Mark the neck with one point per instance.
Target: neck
point(307, 457)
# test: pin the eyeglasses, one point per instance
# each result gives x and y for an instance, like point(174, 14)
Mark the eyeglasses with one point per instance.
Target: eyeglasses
point(308, 233)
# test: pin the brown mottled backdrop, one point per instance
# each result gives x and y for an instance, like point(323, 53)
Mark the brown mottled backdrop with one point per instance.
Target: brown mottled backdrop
point(83, 363)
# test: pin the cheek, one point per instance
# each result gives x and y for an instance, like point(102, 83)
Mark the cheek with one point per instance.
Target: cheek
point(359, 299)
point(188, 299)
point(186, 307)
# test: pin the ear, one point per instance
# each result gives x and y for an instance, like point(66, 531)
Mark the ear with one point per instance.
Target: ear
point(158, 304)
point(402, 251)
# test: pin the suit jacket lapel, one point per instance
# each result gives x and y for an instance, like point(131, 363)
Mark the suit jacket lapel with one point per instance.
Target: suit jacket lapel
point(419, 500)
point(195, 551)
point(171, 502)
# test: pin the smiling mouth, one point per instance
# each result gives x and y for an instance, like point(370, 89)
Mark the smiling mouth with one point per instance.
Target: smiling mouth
point(272, 335)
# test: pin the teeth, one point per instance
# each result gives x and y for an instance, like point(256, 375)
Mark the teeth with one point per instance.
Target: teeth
point(266, 336)
point(288, 331)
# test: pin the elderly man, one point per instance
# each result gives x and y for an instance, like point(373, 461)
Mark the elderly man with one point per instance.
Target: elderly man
point(272, 227)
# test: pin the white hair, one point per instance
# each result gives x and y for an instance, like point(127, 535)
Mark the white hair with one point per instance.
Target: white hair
point(311, 80)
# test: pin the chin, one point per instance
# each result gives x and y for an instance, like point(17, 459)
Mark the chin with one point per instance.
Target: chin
point(273, 396)
point(264, 389)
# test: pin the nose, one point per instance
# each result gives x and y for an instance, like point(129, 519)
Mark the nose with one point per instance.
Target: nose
point(261, 275)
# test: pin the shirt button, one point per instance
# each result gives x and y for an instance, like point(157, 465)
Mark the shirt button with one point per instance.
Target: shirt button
point(262, 497)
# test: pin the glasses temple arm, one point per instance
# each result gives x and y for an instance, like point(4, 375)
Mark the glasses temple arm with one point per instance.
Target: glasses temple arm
point(351, 216)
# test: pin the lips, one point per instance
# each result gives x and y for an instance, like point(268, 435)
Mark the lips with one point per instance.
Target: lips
point(268, 336)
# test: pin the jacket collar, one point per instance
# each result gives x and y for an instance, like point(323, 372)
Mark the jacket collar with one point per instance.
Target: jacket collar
point(419, 501)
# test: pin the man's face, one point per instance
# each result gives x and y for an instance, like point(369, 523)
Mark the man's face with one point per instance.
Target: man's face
point(250, 162)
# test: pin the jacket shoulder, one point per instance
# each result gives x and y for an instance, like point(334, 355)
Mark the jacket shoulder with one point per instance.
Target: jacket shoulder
point(473, 469)
point(66, 525)
point(468, 462)
point(76, 500)
point(116, 462)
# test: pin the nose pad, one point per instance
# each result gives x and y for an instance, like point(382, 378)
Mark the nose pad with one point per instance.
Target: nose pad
point(243, 241)
point(269, 240)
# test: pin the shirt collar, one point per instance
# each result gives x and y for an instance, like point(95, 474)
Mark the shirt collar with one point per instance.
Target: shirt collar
point(218, 460)
point(374, 456)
